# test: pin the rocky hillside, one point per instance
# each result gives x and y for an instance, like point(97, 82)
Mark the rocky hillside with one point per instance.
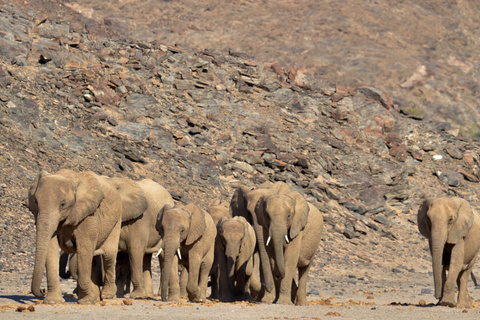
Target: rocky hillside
point(422, 52)
point(75, 95)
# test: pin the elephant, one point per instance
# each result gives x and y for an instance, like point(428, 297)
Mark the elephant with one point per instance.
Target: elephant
point(243, 203)
point(217, 210)
point(235, 252)
point(139, 236)
point(294, 227)
point(452, 228)
point(77, 212)
point(190, 232)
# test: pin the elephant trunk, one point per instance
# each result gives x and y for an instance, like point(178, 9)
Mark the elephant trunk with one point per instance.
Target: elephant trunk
point(264, 260)
point(231, 252)
point(45, 231)
point(438, 240)
point(278, 237)
point(170, 248)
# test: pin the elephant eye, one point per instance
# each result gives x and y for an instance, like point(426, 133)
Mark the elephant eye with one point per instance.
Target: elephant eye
point(450, 220)
point(63, 203)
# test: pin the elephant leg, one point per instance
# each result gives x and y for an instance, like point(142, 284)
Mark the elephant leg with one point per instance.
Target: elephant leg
point(147, 275)
point(205, 267)
point(301, 295)
point(456, 262)
point(109, 286)
point(292, 253)
point(136, 267)
point(110, 248)
point(193, 289)
point(54, 291)
point(255, 283)
point(241, 283)
point(183, 281)
point(464, 299)
point(88, 292)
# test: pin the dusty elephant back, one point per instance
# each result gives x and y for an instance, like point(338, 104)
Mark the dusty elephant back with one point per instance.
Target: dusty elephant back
point(156, 194)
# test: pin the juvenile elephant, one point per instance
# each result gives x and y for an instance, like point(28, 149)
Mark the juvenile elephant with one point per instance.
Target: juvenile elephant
point(217, 211)
point(235, 254)
point(190, 232)
point(452, 228)
point(294, 228)
point(139, 236)
point(243, 204)
point(78, 212)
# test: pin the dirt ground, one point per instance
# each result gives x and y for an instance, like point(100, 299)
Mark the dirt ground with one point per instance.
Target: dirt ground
point(407, 295)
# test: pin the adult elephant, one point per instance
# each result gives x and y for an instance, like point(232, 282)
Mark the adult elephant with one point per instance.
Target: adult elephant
point(235, 253)
point(293, 228)
point(452, 228)
point(190, 232)
point(243, 204)
point(78, 212)
point(139, 236)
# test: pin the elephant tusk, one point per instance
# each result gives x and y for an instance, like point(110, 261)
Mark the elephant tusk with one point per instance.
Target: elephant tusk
point(286, 239)
point(158, 253)
point(179, 254)
point(268, 240)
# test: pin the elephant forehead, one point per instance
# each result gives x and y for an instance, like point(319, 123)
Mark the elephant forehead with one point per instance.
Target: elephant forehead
point(176, 216)
point(442, 206)
point(52, 186)
point(232, 226)
point(279, 203)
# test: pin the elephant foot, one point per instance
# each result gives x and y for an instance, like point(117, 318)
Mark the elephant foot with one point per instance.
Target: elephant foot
point(198, 300)
point(138, 294)
point(88, 300)
point(284, 300)
point(465, 303)
point(448, 303)
point(109, 293)
point(89, 296)
point(53, 299)
point(108, 296)
point(301, 302)
point(174, 297)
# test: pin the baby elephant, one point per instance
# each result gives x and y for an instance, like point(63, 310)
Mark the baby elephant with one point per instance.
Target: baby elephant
point(235, 254)
point(452, 228)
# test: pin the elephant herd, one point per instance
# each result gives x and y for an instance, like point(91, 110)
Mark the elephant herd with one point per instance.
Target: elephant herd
point(249, 248)
point(109, 229)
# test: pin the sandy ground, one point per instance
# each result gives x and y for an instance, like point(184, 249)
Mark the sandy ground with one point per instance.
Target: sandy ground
point(402, 296)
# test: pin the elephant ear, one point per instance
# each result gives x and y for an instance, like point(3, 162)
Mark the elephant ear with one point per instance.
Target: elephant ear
point(198, 224)
point(134, 202)
point(32, 204)
point(238, 204)
point(249, 240)
point(300, 217)
point(464, 222)
point(422, 223)
point(88, 197)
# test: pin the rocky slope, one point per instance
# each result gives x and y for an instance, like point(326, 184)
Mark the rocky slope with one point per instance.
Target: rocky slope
point(422, 52)
point(75, 95)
